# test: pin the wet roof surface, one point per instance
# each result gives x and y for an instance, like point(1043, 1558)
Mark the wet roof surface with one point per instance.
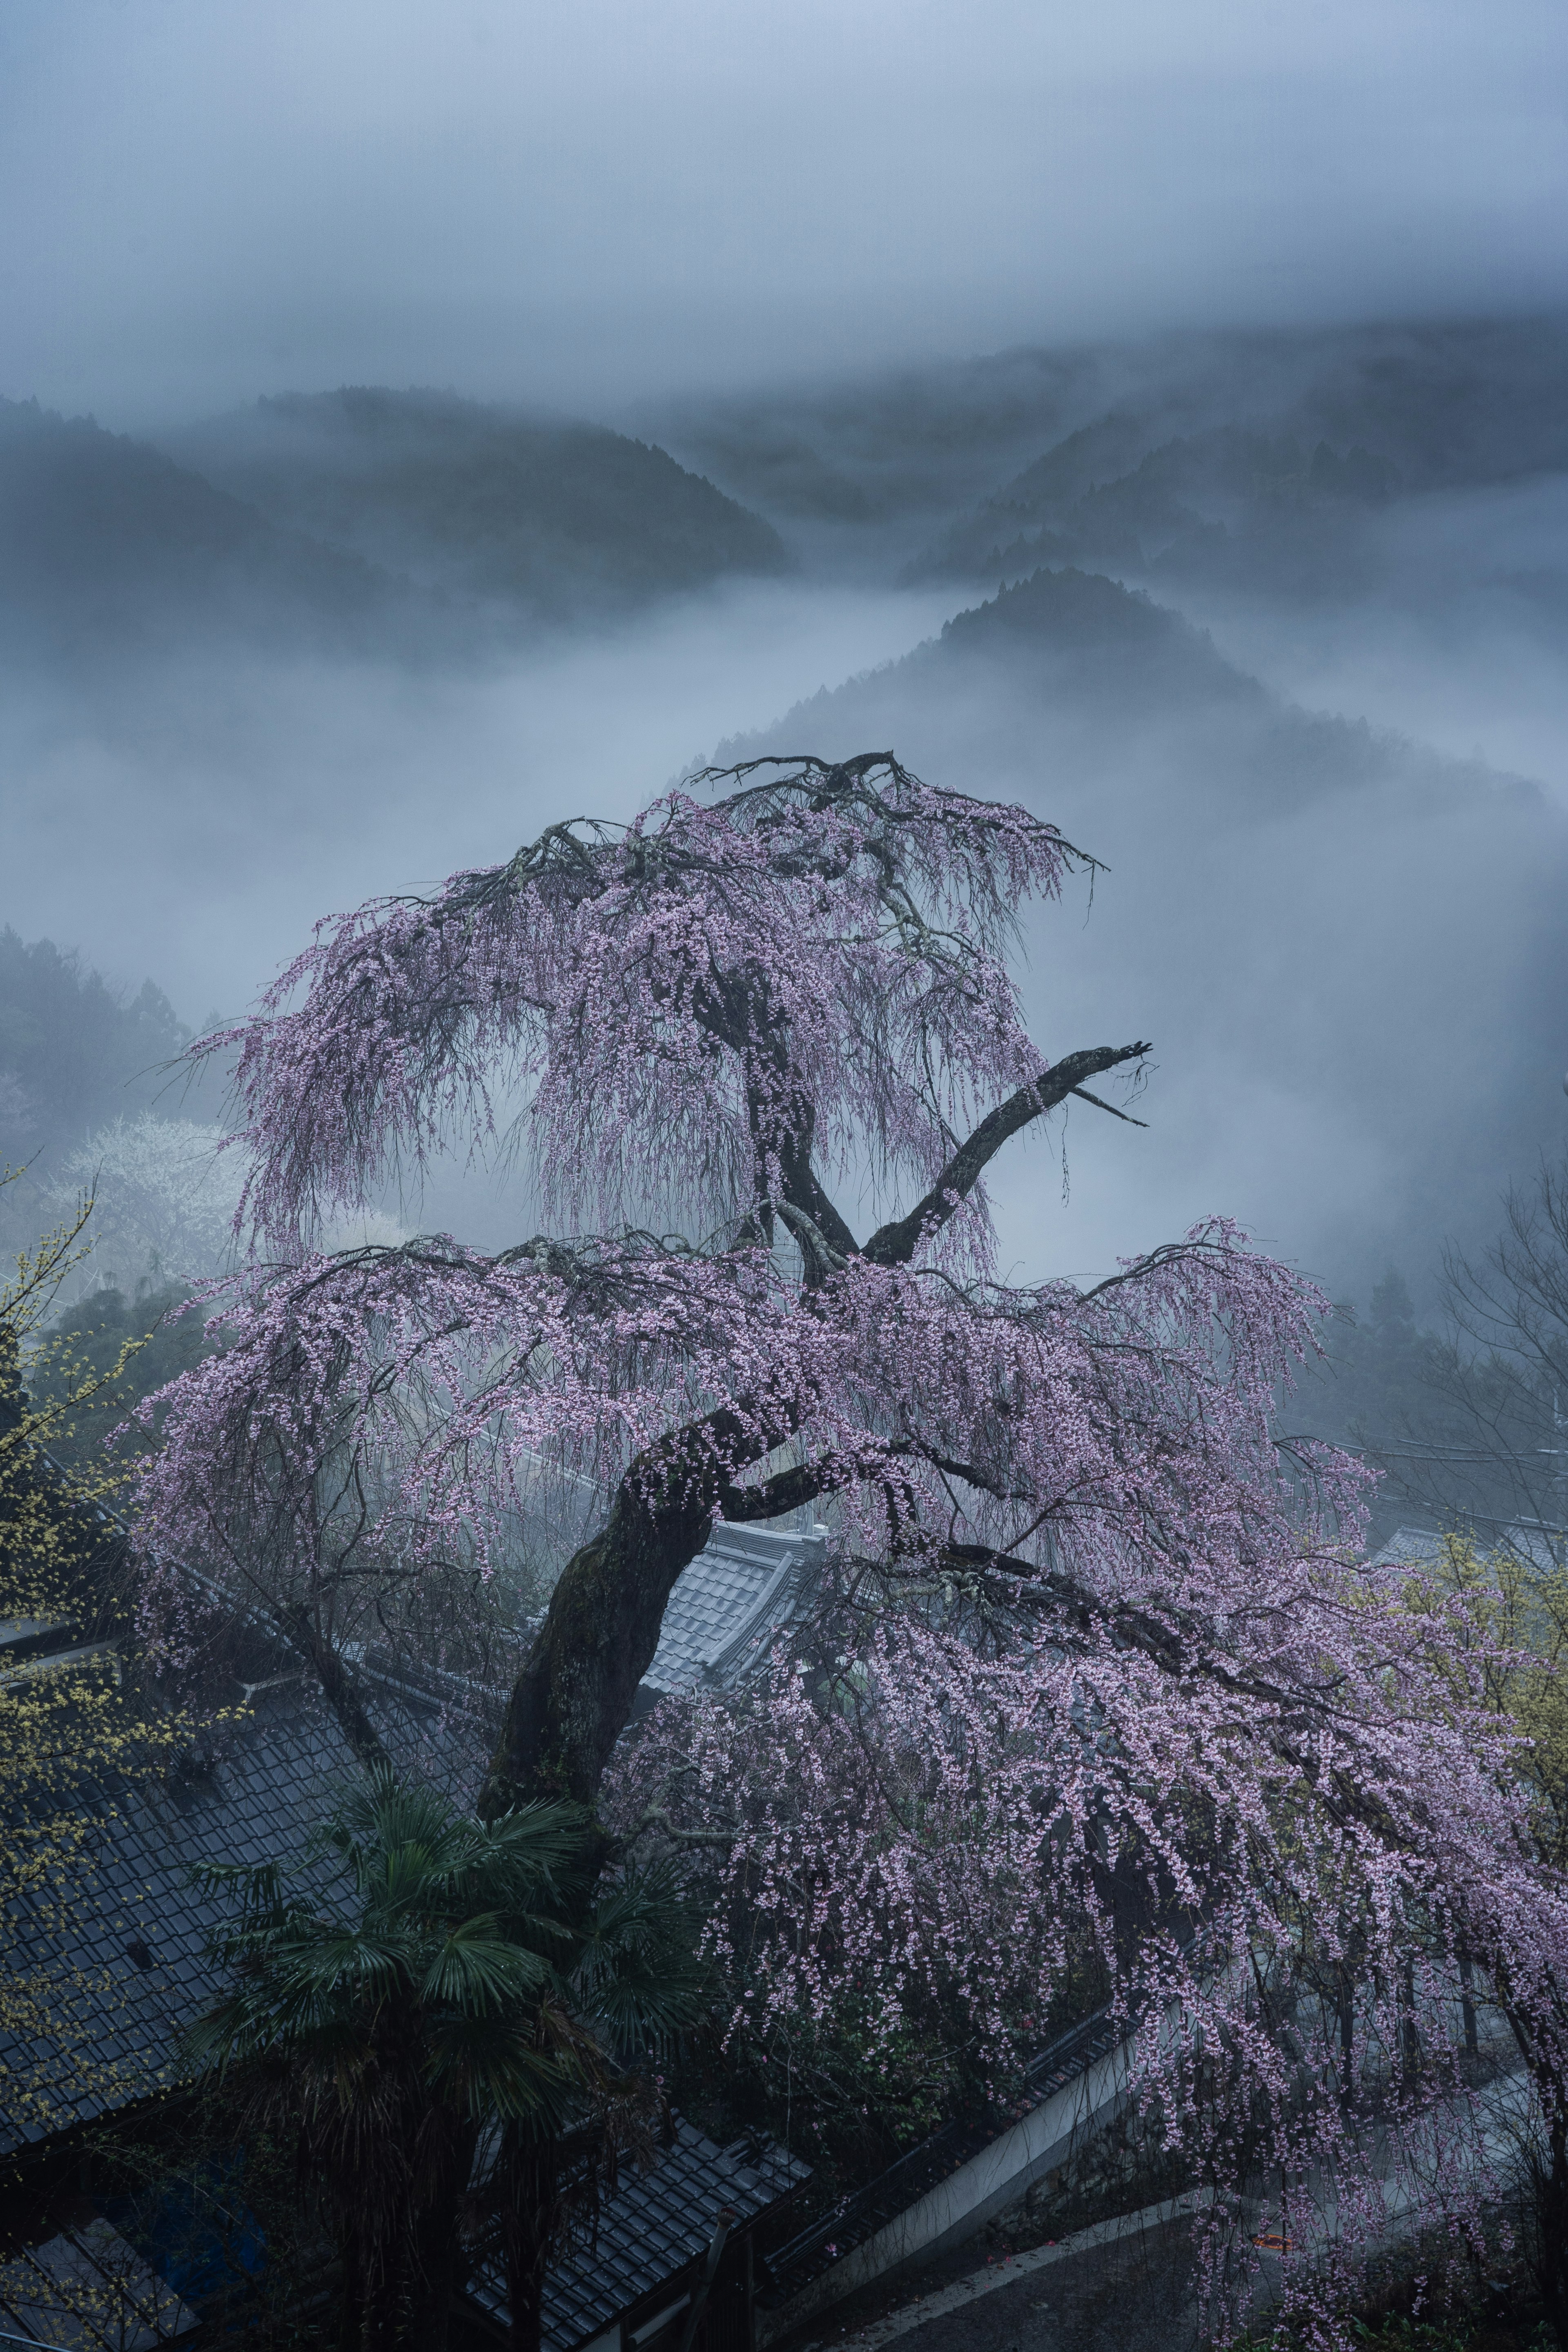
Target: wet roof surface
point(655, 2224)
point(123, 1960)
point(738, 1592)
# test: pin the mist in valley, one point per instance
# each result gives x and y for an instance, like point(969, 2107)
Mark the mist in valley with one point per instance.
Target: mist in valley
point(340, 548)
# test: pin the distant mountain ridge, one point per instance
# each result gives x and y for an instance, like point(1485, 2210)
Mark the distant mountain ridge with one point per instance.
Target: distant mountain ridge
point(966, 451)
point(359, 521)
point(1117, 640)
point(1206, 502)
point(1340, 926)
point(105, 540)
point(1274, 495)
point(554, 519)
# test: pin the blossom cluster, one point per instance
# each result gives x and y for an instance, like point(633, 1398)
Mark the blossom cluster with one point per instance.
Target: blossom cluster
point(672, 1001)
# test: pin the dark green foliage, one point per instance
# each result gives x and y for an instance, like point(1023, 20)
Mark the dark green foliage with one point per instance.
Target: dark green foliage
point(846, 2099)
point(1420, 2299)
point(424, 1991)
point(91, 1338)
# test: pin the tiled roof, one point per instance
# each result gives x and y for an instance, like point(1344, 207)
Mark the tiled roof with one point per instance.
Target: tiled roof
point(143, 1936)
point(129, 1954)
point(1416, 1547)
point(88, 2289)
point(134, 1949)
point(736, 1593)
point(655, 2224)
point(130, 1957)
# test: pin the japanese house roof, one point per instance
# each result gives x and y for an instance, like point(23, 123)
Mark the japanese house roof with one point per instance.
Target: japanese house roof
point(127, 1964)
point(742, 1588)
point(1423, 1547)
point(124, 1961)
point(656, 2223)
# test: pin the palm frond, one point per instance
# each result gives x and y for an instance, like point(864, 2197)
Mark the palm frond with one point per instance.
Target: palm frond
point(477, 1970)
point(638, 1976)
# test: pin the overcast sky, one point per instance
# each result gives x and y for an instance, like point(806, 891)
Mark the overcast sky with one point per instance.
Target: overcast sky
point(591, 200)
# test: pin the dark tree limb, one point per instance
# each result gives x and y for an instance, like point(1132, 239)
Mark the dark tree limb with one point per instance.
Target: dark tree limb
point(896, 1242)
point(806, 1196)
point(300, 1629)
point(578, 1685)
point(576, 1689)
point(818, 1255)
point(1082, 1094)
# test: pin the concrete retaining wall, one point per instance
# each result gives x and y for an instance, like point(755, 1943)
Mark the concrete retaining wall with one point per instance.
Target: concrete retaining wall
point(960, 2206)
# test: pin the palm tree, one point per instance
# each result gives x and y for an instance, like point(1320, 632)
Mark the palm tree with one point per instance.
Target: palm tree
point(437, 2010)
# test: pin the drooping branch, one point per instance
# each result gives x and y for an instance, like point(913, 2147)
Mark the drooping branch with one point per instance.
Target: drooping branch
point(843, 914)
point(895, 1243)
point(714, 1015)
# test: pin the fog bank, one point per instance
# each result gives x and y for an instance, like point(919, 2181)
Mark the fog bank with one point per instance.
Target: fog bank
point(206, 200)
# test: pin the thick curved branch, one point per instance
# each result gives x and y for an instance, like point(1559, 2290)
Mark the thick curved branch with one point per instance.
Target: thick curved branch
point(896, 1244)
point(806, 1197)
point(820, 1257)
point(785, 1491)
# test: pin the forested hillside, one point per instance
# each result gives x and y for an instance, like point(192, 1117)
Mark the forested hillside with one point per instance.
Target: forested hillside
point(554, 518)
point(1271, 490)
point(359, 522)
point(73, 1052)
point(1016, 436)
point(107, 544)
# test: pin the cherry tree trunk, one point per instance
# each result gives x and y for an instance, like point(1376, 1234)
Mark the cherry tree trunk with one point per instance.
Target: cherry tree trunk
point(575, 1692)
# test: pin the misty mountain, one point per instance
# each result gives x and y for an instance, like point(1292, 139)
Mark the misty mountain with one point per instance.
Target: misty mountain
point(108, 544)
point(1445, 403)
point(1228, 504)
point(1348, 949)
point(1280, 501)
point(74, 1051)
point(553, 519)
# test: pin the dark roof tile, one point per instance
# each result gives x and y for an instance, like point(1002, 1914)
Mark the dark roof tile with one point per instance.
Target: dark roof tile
point(655, 2224)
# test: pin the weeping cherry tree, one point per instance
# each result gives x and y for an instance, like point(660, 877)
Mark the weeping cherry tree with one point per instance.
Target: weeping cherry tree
point(1099, 1678)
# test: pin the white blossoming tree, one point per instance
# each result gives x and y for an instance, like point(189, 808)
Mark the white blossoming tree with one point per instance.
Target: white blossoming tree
point(164, 1194)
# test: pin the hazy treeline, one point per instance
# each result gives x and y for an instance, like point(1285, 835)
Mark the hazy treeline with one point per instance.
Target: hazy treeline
point(74, 1053)
point(1433, 403)
point(413, 524)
